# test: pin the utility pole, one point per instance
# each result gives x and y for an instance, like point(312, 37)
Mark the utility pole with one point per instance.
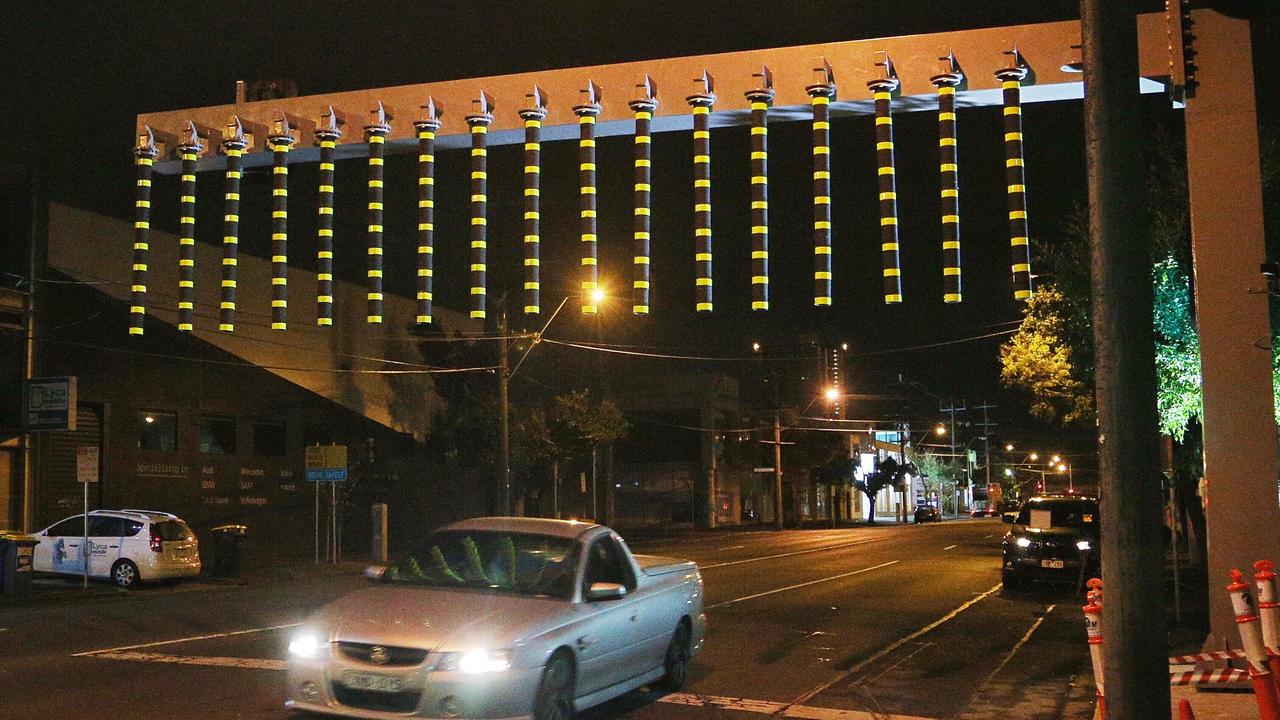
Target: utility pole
point(504, 379)
point(986, 437)
point(1135, 669)
point(951, 410)
point(777, 471)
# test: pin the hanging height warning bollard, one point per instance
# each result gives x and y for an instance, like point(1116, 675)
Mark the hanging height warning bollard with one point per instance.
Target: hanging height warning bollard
point(1015, 173)
point(1093, 628)
point(327, 134)
point(587, 111)
point(948, 172)
point(427, 128)
point(760, 98)
point(1269, 613)
point(643, 108)
point(883, 89)
point(144, 155)
point(1264, 688)
point(376, 133)
point(280, 141)
point(479, 124)
point(702, 102)
point(821, 94)
point(233, 144)
point(188, 152)
point(533, 117)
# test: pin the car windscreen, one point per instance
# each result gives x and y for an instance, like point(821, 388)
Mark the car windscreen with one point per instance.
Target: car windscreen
point(518, 563)
point(172, 530)
point(1062, 514)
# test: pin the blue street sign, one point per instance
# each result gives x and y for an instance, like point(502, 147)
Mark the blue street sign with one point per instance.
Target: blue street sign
point(326, 474)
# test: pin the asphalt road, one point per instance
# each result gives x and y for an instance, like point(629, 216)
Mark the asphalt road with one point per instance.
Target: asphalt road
point(890, 622)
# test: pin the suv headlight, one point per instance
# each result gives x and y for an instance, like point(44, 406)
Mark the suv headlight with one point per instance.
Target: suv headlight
point(1023, 542)
point(475, 661)
point(1083, 545)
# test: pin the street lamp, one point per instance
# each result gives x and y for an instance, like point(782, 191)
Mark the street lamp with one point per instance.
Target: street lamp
point(832, 394)
point(1008, 447)
point(940, 429)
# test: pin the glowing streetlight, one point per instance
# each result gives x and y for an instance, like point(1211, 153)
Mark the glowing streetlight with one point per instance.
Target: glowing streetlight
point(598, 295)
point(940, 430)
point(832, 394)
point(1035, 456)
point(1062, 467)
point(755, 347)
point(1056, 460)
point(1008, 447)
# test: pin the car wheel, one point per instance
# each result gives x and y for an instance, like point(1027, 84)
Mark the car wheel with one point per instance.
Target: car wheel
point(1010, 580)
point(125, 574)
point(676, 662)
point(555, 690)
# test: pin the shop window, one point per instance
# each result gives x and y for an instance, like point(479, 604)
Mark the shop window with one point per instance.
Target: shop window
point(157, 431)
point(269, 439)
point(217, 436)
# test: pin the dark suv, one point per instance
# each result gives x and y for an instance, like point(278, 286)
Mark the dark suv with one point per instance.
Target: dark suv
point(1053, 539)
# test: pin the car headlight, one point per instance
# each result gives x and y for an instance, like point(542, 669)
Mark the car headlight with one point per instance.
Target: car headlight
point(1023, 542)
point(304, 645)
point(475, 661)
point(1083, 545)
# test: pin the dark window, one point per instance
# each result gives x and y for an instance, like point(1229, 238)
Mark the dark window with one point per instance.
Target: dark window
point(106, 526)
point(519, 563)
point(606, 563)
point(217, 436)
point(269, 439)
point(131, 528)
point(71, 527)
point(1060, 513)
point(171, 530)
point(157, 431)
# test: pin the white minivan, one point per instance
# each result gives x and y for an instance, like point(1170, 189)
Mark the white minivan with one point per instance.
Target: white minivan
point(127, 546)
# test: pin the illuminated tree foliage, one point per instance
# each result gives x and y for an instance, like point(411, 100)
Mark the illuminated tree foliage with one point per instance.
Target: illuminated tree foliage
point(1039, 360)
point(1179, 396)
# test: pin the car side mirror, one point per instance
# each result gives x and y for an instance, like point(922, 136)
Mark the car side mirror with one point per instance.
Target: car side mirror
point(375, 573)
point(605, 591)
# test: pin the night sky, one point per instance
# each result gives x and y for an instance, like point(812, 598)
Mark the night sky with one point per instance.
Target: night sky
point(76, 74)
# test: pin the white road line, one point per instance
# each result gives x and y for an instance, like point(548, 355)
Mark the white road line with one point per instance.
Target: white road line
point(766, 707)
point(247, 663)
point(789, 554)
point(894, 646)
point(186, 639)
point(1025, 638)
point(950, 547)
point(732, 547)
point(800, 585)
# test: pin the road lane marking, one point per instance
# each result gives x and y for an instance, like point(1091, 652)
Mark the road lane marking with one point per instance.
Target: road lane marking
point(805, 697)
point(949, 547)
point(1018, 646)
point(777, 709)
point(789, 554)
point(185, 639)
point(247, 663)
point(732, 547)
point(800, 585)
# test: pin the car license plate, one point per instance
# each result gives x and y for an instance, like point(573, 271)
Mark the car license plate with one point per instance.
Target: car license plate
point(1055, 564)
point(377, 683)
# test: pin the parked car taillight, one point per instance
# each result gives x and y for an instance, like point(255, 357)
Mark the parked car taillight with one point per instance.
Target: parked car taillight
point(157, 544)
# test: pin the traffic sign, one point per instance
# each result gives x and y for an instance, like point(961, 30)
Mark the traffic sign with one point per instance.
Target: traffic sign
point(326, 474)
point(87, 464)
point(327, 463)
point(49, 404)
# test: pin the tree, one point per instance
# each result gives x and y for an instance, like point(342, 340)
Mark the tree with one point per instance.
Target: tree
point(940, 476)
point(888, 473)
point(1179, 395)
point(1039, 359)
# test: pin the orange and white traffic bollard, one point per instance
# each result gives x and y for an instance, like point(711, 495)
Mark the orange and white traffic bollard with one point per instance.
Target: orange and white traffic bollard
point(1184, 710)
point(1269, 612)
point(1093, 626)
point(1264, 689)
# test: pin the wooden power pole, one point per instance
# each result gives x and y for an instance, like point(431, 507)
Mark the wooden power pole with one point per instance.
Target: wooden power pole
point(1133, 623)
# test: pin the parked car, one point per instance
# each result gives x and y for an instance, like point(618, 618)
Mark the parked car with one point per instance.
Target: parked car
point(928, 513)
point(984, 512)
point(501, 618)
point(1053, 539)
point(126, 546)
